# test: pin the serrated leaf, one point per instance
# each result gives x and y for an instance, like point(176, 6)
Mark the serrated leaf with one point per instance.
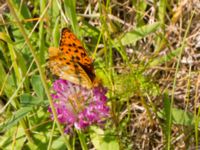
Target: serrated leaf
point(166, 58)
point(137, 34)
point(182, 117)
point(179, 116)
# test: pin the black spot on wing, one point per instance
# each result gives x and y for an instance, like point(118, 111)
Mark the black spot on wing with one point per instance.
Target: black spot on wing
point(80, 47)
point(77, 58)
point(83, 54)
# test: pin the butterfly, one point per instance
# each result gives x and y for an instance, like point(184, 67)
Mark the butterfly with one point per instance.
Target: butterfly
point(71, 62)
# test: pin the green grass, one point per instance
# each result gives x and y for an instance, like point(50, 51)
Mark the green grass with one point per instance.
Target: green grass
point(140, 51)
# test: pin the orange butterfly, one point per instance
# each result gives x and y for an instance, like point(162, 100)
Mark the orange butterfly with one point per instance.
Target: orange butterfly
point(71, 62)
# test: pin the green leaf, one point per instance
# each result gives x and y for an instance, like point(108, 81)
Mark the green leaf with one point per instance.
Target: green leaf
point(56, 33)
point(58, 143)
point(140, 13)
point(6, 141)
point(179, 116)
point(100, 140)
point(40, 141)
point(71, 14)
point(27, 100)
point(121, 51)
point(17, 116)
point(166, 58)
point(162, 10)
point(19, 63)
point(37, 86)
point(167, 109)
point(6, 38)
point(6, 86)
point(23, 11)
point(182, 117)
point(22, 67)
point(137, 34)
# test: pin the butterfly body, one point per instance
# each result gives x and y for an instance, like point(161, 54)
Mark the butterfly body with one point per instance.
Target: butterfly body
point(71, 62)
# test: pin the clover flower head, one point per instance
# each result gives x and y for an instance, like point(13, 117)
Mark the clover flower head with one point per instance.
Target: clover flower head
point(79, 107)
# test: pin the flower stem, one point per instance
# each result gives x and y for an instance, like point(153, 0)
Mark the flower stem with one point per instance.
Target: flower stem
point(81, 137)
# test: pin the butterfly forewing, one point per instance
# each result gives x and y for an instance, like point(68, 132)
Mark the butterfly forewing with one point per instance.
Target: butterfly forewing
point(70, 61)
